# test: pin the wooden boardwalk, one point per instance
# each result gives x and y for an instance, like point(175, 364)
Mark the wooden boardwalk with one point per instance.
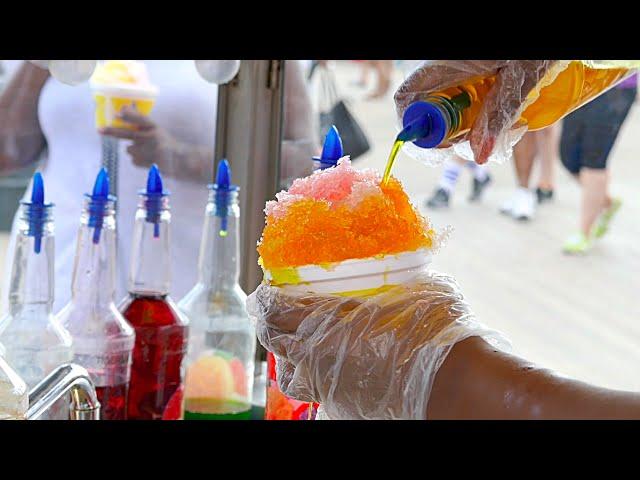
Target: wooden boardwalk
point(579, 316)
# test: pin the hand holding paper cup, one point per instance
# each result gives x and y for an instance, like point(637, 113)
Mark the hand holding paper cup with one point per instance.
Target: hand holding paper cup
point(119, 83)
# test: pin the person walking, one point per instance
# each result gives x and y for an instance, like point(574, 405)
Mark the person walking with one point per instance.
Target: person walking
point(588, 137)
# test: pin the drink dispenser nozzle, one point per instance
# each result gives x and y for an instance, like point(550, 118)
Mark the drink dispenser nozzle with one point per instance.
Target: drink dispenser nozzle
point(37, 212)
point(331, 150)
point(222, 194)
point(98, 201)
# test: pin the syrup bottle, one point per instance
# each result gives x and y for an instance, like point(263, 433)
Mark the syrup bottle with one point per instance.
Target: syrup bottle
point(35, 342)
point(102, 339)
point(161, 330)
point(222, 341)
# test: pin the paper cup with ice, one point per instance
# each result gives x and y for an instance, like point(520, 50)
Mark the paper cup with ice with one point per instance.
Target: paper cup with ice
point(119, 83)
point(341, 232)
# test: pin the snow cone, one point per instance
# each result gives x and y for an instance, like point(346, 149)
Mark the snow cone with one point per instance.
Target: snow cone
point(340, 231)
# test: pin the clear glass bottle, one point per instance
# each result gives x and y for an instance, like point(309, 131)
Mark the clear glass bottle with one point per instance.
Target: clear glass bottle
point(35, 342)
point(222, 340)
point(102, 338)
point(161, 330)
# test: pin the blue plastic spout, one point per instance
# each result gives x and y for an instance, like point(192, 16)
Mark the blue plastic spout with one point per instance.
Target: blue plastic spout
point(332, 150)
point(425, 124)
point(36, 212)
point(223, 189)
point(416, 129)
point(154, 195)
point(97, 203)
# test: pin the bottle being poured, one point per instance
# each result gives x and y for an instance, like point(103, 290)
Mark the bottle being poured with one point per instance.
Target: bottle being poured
point(222, 339)
point(161, 330)
point(102, 339)
point(35, 342)
point(444, 117)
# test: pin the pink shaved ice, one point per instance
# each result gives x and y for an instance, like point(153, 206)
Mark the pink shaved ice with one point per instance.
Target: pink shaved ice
point(337, 185)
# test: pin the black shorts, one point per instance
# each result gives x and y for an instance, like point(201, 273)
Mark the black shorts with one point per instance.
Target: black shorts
point(589, 133)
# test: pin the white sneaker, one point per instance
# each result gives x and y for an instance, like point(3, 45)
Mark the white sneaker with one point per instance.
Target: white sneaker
point(507, 206)
point(524, 204)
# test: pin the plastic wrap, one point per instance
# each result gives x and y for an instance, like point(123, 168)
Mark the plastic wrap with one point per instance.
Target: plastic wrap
point(366, 358)
point(501, 92)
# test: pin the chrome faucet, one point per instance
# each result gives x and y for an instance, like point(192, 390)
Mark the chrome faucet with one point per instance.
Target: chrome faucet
point(66, 378)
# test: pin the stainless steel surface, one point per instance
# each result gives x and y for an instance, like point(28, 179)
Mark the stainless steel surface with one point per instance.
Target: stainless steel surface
point(67, 378)
point(110, 161)
point(248, 135)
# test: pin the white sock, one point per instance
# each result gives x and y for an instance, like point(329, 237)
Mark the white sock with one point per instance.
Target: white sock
point(479, 171)
point(449, 176)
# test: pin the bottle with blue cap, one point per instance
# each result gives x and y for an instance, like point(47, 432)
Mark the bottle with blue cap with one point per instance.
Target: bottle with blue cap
point(430, 123)
point(161, 329)
point(102, 339)
point(222, 339)
point(331, 150)
point(35, 342)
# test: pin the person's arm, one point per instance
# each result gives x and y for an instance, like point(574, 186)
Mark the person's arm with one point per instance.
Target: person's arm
point(21, 138)
point(153, 144)
point(415, 352)
point(476, 381)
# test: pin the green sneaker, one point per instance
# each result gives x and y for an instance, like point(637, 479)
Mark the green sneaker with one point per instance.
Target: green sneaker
point(601, 227)
point(577, 244)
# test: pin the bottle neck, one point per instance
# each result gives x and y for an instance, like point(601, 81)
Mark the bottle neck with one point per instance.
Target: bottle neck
point(219, 264)
point(150, 268)
point(32, 273)
point(94, 270)
point(430, 122)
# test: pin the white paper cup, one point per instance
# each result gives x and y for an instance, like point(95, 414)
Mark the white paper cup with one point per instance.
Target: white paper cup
point(356, 277)
point(111, 99)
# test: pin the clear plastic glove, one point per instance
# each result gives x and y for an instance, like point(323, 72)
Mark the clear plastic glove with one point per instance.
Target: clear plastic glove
point(373, 358)
point(516, 80)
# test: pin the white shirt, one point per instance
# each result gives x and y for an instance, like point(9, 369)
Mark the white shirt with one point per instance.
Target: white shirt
point(186, 108)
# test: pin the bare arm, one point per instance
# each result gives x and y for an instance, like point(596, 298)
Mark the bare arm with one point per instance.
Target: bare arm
point(379, 359)
point(21, 138)
point(478, 382)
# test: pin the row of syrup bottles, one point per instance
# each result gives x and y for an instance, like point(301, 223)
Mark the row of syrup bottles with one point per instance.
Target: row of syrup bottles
point(136, 352)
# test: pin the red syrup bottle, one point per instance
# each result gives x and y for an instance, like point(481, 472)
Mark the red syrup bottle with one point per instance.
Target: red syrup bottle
point(161, 330)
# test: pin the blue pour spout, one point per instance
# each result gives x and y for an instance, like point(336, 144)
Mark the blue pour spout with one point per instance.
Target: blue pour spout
point(332, 150)
point(223, 189)
point(36, 212)
point(98, 201)
point(415, 129)
point(154, 195)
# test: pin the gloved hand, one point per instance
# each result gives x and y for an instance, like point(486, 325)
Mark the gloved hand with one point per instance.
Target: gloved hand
point(373, 358)
point(504, 103)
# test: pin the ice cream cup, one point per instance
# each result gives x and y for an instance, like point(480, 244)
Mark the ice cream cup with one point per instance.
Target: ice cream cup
point(111, 99)
point(354, 278)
